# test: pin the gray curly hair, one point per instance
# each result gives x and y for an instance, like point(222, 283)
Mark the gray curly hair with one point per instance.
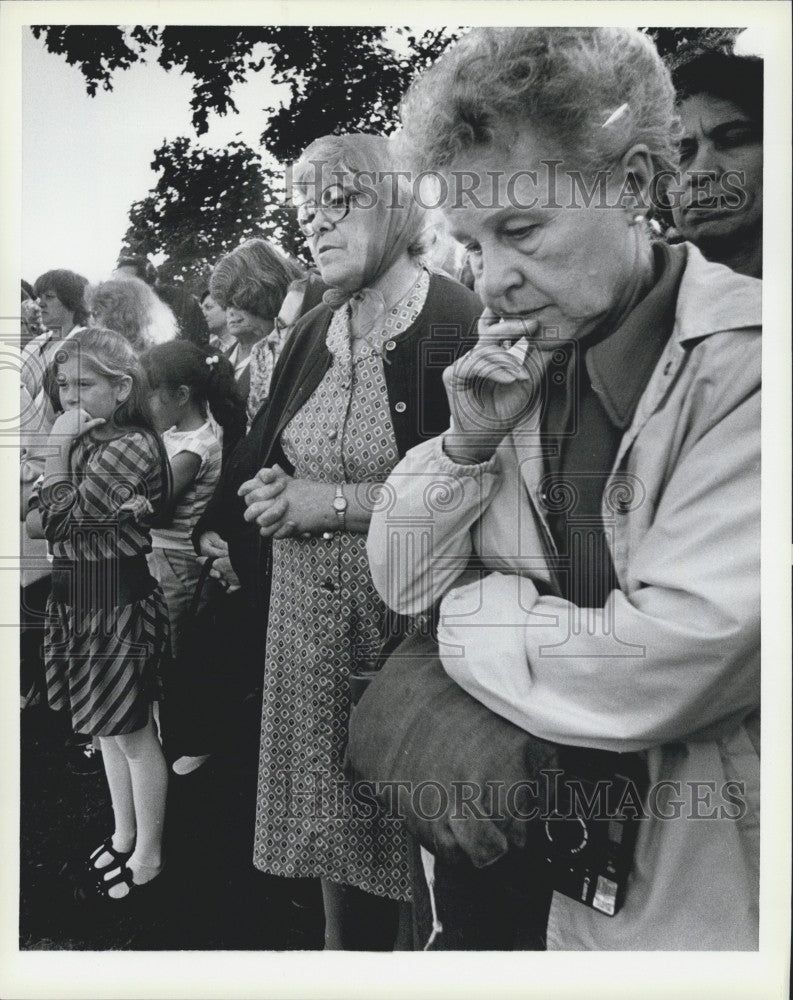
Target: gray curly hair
point(566, 83)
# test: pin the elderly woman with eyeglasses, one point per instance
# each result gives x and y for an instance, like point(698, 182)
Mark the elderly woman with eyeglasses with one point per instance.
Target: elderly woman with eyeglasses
point(358, 384)
point(603, 466)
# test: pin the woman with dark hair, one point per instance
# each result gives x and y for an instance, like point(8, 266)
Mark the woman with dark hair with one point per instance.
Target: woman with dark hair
point(127, 307)
point(718, 204)
point(250, 283)
point(215, 315)
point(303, 294)
point(61, 297)
point(355, 387)
point(58, 304)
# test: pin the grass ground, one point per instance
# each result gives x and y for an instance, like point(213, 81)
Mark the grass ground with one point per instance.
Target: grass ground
point(213, 897)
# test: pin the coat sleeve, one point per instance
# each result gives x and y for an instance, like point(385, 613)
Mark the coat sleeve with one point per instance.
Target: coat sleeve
point(420, 535)
point(674, 656)
point(118, 472)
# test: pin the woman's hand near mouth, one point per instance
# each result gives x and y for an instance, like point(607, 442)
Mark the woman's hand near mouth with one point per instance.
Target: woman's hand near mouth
point(505, 330)
point(491, 388)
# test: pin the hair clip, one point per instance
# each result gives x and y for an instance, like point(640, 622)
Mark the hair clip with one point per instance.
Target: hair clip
point(615, 115)
point(213, 360)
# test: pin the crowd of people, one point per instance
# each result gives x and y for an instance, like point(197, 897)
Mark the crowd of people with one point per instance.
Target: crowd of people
point(541, 454)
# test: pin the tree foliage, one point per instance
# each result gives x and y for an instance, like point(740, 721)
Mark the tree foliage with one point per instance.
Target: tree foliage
point(338, 79)
point(97, 51)
point(675, 45)
point(205, 202)
point(342, 80)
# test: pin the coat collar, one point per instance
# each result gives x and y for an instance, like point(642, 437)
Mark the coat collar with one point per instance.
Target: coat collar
point(714, 298)
point(711, 299)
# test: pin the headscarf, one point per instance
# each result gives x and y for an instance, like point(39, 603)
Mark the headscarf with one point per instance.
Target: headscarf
point(397, 221)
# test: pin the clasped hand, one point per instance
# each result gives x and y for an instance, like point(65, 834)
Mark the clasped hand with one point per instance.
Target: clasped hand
point(283, 506)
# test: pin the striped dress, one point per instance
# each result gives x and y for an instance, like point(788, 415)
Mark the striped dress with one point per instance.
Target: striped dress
point(102, 658)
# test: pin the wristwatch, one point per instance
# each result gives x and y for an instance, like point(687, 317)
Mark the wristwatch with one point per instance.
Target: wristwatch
point(340, 506)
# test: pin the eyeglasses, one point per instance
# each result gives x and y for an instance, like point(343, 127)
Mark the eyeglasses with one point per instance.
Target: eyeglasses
point(335, 203)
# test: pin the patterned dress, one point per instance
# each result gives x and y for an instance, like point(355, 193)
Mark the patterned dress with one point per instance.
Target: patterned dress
point(101, 659)
point(264, 355)
point(325, 615)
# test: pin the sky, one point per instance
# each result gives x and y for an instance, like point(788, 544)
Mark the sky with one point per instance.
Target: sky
point(85, 160)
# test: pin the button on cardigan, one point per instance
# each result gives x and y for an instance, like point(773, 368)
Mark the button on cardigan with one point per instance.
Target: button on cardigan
point(445, 329)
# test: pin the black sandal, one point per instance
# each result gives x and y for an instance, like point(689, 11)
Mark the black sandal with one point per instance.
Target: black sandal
point(119, 858)
point(99, 891)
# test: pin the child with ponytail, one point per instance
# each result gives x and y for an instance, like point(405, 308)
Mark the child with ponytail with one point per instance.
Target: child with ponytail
point(105, 480)
point(188, 386)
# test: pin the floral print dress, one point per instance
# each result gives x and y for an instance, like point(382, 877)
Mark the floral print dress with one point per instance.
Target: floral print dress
point(325, 615)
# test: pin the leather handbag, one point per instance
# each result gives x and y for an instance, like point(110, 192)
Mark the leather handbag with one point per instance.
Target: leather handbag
point(472, 786)
point(424, 743)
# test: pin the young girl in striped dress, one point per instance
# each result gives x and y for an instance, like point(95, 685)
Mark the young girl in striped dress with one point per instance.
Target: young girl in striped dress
point(107, 624)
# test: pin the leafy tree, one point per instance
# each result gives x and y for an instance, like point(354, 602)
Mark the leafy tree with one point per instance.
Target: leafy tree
point(205, 202)
point(675, 45)
point(340, 78)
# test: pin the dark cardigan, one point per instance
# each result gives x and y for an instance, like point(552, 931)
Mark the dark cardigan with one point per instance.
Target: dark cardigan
point(414, 363)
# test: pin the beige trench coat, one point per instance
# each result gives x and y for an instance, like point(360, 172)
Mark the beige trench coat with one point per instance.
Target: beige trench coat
point(671, 663)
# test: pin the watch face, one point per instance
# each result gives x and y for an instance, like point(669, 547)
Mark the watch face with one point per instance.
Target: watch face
point(339, 504)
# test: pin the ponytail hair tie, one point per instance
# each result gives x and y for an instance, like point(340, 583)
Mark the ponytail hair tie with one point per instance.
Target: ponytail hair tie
point(213, 360)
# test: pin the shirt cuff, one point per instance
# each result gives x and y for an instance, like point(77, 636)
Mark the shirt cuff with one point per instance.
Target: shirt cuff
point(446, 464)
